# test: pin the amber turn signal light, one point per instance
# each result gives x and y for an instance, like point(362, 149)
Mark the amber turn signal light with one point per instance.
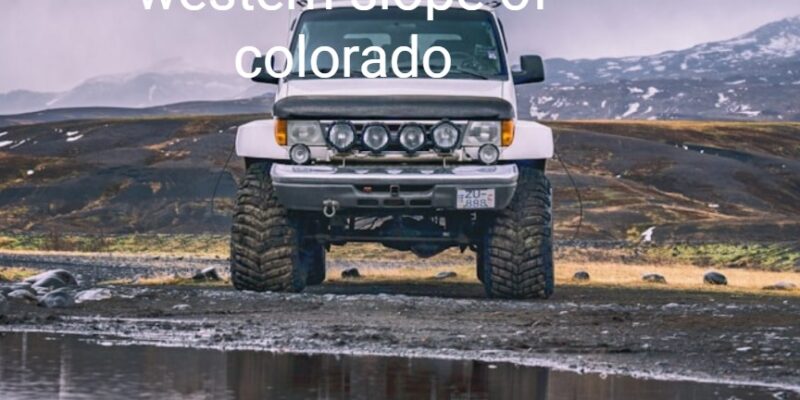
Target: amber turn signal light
point(507, 136)
point(281, 137)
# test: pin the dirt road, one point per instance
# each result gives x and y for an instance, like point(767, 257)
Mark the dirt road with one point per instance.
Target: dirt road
point(709, 336)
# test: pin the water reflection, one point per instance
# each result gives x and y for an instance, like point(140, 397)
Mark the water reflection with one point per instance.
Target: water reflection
point(35, 366)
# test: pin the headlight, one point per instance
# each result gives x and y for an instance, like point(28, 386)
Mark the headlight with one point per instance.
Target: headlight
point(445, 136)
point(488, 154)
point(412, 137)
point(300, 154)
point(375, 137)
point(341, 135)
point(308, 133)
point(482, 132)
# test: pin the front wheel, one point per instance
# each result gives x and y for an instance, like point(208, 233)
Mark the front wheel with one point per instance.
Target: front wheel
point(265, 239)
point(516, 253)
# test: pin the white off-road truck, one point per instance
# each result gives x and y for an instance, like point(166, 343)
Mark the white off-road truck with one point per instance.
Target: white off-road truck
point(417, 164)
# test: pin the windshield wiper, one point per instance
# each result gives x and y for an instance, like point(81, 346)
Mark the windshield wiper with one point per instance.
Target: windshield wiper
point(470, 73)
point(339, 73)
point(465, 72)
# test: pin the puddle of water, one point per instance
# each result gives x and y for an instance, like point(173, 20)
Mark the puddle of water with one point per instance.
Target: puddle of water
point(38, 366)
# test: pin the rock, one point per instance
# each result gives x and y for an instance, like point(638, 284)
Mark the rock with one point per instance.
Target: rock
point(23, 294)
point(3, 305)
point(5, 290)
point(66, 278)
point(180, 307)
point(41, 290)
point(445, 275)
point(715, 278)
point(781, 286)
point(20, 285)
point(581, 276)
point(93, 295)
point(351, 273)
point(208, 274)
point(654, 278)
point(49, 283)
point(59, 298)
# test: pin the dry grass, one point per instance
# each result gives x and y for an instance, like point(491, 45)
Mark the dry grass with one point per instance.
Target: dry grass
point(778, 138)
point(464, 273)
point(373, 251)
point(678, 276)
point(14, 274)
point(175, 245)
point(167, 280)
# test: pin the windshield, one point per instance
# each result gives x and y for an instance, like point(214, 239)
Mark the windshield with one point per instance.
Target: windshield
point(471, 38)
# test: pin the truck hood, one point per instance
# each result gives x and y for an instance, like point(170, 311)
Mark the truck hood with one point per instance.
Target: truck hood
point(394, 87)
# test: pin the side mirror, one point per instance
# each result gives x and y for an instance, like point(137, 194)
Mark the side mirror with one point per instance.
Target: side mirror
point(532, 70)
point(259, 64)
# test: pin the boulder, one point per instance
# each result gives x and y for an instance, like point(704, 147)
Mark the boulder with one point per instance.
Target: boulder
point(581, 276)
point(21, 285)
point(49, 282)
point(208, 274)
point(654, 278)
point(351, 273)
point(781, 286)
point(715, 278)
point(23, 294)
point(43, 279)
point(445, 275)
point(59, 298)
point(93, 295)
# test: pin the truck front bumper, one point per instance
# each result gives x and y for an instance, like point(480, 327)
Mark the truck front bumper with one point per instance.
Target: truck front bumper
point(312, 188)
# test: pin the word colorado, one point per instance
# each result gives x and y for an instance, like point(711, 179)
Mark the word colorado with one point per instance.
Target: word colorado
point(362, 5)
point(374, 66)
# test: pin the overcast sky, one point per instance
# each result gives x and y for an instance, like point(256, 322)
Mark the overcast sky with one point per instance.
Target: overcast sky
point(53, 45)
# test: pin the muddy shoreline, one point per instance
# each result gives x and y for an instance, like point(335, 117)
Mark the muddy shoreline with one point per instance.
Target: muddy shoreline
point(686, 335)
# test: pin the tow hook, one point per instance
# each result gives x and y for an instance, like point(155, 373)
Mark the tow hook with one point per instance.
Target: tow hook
point(329, 208)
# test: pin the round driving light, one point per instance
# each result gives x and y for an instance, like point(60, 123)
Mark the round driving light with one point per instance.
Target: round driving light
point(445, 136)
point(412, 137)
point(488, 154)
point(375, 137)
point(341, 135)
point(300, 154)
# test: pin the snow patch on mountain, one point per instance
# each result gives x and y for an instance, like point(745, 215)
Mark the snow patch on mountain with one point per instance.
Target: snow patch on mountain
point(651, 91)
point(633, 108)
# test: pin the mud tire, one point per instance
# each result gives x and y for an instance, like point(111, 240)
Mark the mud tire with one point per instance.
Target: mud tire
point(265, 244)
point(517, 250)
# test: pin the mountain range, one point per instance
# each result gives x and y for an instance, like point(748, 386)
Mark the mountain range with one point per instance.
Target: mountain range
point(755, 76)
point(168, 82)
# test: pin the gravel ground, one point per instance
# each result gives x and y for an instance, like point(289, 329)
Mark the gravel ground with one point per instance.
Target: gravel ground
point(706, 336)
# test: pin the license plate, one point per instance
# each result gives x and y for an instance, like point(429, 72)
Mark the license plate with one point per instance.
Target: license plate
point(475, 199)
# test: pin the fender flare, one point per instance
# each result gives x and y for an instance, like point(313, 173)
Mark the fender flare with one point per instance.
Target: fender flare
point(257, 140)
point(532, 141)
